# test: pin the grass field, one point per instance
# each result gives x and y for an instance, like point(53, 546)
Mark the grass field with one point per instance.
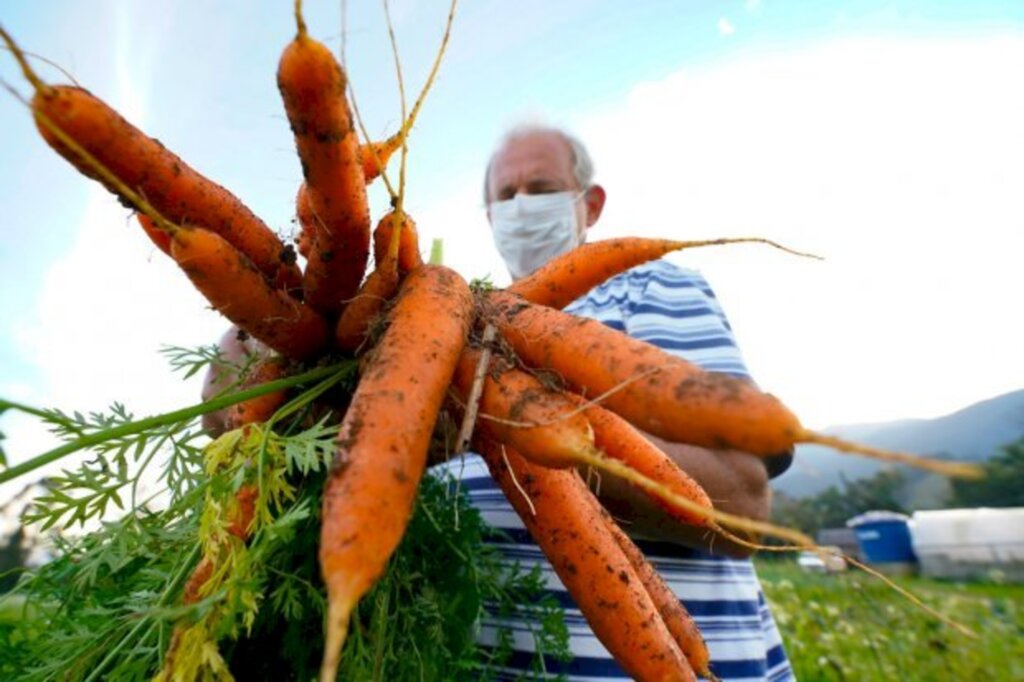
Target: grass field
point(851, 626)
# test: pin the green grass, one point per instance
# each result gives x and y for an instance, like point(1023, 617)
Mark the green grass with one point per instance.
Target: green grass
point(851, 626)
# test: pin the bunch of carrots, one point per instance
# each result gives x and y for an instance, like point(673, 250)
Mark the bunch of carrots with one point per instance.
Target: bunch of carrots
point(429, 342)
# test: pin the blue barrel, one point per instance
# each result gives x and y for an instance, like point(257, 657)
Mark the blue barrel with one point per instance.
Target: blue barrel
point(884, 537)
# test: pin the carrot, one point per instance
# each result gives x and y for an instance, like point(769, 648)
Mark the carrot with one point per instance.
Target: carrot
point(251, 411)
point(380, 286)
point(355, 322)
point(658, 392)
point(200, 574)
point(516, 409)
point(666, 395)
point(617, 438)
point(241, 521)
point(552, 429)
point(564, 279)
point(159, 237)
point(261, 408)
point(677, 619)
point(235, 288)
point(409, 257)
point(556, 509)
point(170, 185)
point(374, 156)
point(312, 85)
point(307, 227)
point(383, 441)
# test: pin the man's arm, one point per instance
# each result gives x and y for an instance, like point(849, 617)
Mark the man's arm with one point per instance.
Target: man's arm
point(735, 481)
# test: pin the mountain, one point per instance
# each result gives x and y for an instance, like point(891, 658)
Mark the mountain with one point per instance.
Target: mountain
point(973, 433)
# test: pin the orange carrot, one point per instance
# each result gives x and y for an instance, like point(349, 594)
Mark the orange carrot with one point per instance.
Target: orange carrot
point(382, 445)
point(555, 508)
point(307, 228)
point(354, 324)
point(312, 85)
point(409, 257)
point(666, 395)
point(617, 438)
point(677, 619)
point(260, 408)
point(159, 237)
point(200, 574)
point(235, 288)
point(660, 393)
point(380, 286)
point(564, 279)
point(552, 429)
point(516, 409)
point(374, 156)
point(173, 188)
point(240, 525)
point(241, 520)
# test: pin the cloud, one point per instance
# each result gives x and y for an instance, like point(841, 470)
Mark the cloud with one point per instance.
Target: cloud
point(110, 302)
point(897, 160)
point(725, 26)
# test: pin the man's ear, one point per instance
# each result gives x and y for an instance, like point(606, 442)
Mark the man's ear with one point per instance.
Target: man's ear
point(594, 200)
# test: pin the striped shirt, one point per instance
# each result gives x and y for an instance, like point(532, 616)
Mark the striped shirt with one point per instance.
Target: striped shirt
point(676, 310)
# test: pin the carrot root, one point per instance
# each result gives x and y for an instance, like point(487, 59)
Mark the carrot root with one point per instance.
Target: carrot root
point(954, 469)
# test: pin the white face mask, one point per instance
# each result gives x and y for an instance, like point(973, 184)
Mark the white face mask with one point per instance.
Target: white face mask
point(531, 229)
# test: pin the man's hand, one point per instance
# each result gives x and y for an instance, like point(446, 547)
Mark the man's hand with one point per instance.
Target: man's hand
point(736, 482)
point(236, 350)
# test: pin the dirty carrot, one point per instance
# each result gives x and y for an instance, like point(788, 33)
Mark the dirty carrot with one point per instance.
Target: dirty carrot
point(260, 408)
point(380, 285)
point(617, 438)
point(312, 86)
point(664, 394)
point(383, 441)
point(159, 237)
point(356, 320)
point(554, 507)
point(658, 392)
point(147, 168)
point(548, 429)
point(409, 257)
point(374, 156)
point(307, 227)
point(516, 409)
point(677, 619)
point(237, 290)
point(564, 279)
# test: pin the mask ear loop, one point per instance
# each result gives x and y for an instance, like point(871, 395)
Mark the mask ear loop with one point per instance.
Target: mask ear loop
point(581, 229)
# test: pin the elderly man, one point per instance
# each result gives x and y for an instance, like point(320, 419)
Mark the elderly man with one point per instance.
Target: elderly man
point(541, 200)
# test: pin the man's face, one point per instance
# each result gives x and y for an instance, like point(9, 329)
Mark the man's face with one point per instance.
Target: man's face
point(536, 163)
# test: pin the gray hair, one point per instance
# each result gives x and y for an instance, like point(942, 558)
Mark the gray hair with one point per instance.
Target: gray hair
point(582, 164)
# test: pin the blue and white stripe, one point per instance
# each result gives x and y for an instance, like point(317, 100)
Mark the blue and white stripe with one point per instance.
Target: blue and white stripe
point(676, 310)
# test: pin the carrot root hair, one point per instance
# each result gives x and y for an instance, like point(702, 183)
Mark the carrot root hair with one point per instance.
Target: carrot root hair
point(954, 469)
point(30, 75)
point(889, 582)
point(599, 460)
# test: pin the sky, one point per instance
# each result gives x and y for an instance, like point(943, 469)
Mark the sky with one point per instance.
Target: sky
point(884, 136)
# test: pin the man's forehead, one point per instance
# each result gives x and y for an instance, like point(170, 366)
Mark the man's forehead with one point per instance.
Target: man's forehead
point(535, 152)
